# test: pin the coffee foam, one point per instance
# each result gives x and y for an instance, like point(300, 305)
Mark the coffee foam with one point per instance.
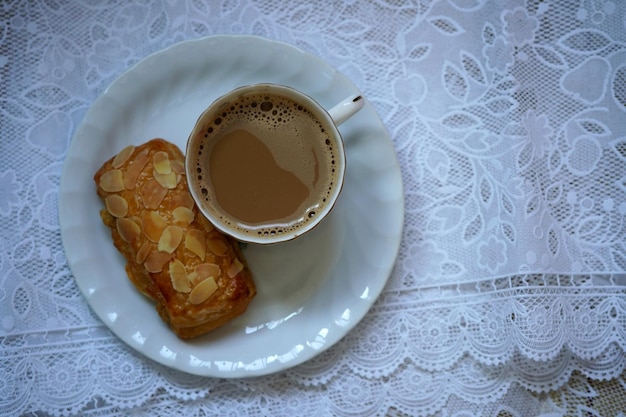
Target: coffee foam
point(267, 115)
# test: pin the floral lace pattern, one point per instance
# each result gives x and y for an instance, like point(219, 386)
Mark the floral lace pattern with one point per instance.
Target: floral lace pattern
point(508, 121)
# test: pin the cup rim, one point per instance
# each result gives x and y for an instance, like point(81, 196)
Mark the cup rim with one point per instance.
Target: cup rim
point(265, 239)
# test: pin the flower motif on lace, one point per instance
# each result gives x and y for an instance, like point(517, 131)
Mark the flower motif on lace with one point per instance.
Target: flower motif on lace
point(357, 391)
point(499, 55)
point(539, 321)
point(62, 379)
point(354, 394)
point(585, 323)
point(124, 371)
point(375, 344)
point(492, 326)
point(432, 334)
point(408, 383)
point(519, 25)
point(289, 403)
point(597, 14)
point(7, 387)
point(492, 254)
point(107, 56)
point(410, 90)
point(539, 132)
point(425, 260)
point(294, 403)
point(9, 190)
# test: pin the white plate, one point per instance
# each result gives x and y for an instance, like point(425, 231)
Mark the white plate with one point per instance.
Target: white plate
point(311, 291)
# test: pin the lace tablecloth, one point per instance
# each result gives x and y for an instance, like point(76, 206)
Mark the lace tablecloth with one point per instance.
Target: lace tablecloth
point(508, 297)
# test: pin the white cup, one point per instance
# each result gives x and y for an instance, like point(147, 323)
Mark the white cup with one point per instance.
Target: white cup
point(265, 163)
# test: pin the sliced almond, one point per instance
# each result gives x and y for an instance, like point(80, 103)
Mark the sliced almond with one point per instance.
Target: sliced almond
point(178, 166)
point(156, 261)
point(112, 181)
point(170, 239)
point(168, 181)
point(194, 241)
point(153, 194)
point(152, 225)
point(178, 276)
point(183, 199)
point(183, 216)
point(217, 246)
point(193, 278)
point(208, 270)
point(161, 162)
point(122, 156)
point(235, 267)
point(143, 252)
point(128, 229)
point(203, 291)
point(134, 169)
point(116, 205)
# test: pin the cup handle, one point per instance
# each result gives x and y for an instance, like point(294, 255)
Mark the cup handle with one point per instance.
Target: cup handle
point(346, 109)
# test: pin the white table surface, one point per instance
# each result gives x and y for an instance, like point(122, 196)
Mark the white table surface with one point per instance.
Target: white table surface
point(508, 295)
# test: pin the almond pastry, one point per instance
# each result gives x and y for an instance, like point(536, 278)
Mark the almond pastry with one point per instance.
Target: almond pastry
point(197, 277)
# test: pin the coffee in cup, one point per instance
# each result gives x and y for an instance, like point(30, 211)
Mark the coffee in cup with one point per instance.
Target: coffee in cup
point(265, 163)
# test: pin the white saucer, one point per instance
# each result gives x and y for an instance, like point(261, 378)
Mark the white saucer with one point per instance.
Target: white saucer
point(311, 291)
